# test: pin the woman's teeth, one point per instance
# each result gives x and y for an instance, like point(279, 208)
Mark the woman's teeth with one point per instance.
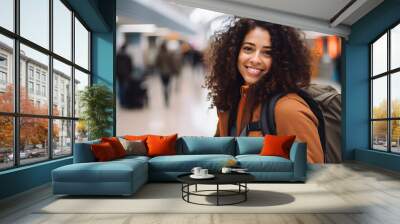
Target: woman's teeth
point(253, 71)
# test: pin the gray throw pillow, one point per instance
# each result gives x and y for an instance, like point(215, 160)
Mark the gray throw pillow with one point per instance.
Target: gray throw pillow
point(136, 147)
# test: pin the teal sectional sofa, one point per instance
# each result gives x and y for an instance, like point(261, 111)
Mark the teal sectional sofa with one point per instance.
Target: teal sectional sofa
point(125, 176)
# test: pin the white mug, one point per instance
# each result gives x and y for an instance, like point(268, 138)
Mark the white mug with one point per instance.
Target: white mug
point(203, 172)
point(226, 170)
point(196, 171)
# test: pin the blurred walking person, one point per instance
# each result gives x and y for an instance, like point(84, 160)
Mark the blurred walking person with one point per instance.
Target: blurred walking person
point(124, 71)
point(165, 66)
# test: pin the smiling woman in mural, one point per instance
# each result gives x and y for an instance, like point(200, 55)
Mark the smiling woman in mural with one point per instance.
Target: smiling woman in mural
point(250, 61)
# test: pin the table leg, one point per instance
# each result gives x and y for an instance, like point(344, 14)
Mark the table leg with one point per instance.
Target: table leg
point(245, 191)
point(217, 194)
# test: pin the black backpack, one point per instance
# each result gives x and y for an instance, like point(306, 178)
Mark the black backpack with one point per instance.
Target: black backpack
point(324, 101)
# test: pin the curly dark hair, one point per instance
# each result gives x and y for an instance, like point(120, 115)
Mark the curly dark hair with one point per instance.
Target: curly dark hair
point(289, 71)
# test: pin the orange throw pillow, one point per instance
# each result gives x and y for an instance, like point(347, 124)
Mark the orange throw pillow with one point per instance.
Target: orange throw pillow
point(136, 137)
point(103, 151)
point(161, 145)
point(277, 145)
point(116, 145)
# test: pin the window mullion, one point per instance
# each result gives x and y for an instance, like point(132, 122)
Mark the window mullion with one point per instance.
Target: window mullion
point(50, 81)
point(73, 82)
point(16, 84)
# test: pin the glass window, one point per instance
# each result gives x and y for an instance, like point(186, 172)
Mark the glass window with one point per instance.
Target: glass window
point(395, 136)
point(379, 135)
point(81, 81)
point(34, 80)
point(62, 29)
point(33, 139)
point(6, 73)
point(62, 72)
point(7, 14)
point(34, 21)
point(81, 131)
point(81, 45)
point(6, 142)
point(395, 95)
point(379, 98)
point(30, 87)
point(395, 47)
point(385, 125)
point(379, 56)
point(30, 72)
point(40, 62)
point(62, 138)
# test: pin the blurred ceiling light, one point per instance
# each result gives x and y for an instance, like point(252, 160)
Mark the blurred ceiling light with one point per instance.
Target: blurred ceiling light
point(202, 16)
point(138, 28)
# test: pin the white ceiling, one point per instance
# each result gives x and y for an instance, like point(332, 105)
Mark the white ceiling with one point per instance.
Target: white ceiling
point(321, 9)
point(313, 15)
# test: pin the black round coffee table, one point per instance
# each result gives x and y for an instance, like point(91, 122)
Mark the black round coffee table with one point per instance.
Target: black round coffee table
point(238, 179)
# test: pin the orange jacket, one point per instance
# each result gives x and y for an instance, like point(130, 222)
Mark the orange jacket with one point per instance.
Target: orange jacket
point(292, 117)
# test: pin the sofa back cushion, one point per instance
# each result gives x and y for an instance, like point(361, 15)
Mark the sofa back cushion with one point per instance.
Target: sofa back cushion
point(249, 145)
point(83, 152)
point(196, 145)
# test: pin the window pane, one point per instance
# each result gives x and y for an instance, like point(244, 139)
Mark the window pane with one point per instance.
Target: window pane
point(62, 29)
point(34, 96)
point(379, 55)
point(379, 135)
point(395, 95)
point(395, 136)
point(6, 142)
point(395, 47)
point(6, 74)
point(62, 138)
point(81, 45)
point(33, 139)
point(7, 14)
point(81, 131)
point(35, 21)
point(81, 81)
point(379, 97)
point(62, 89)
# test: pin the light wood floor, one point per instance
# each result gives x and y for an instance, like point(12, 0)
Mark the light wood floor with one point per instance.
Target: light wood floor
point(377, 188)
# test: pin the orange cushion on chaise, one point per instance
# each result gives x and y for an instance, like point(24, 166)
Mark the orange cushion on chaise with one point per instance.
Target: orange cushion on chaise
point(103, 152)
point(116, 145)
point(277, 145)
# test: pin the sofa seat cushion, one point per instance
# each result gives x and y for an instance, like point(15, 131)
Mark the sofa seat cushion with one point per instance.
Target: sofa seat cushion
point(112, 171)
point(185, 163)
point(257, 163)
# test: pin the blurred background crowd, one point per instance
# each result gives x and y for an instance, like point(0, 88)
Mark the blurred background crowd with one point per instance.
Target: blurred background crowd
point(160, 67)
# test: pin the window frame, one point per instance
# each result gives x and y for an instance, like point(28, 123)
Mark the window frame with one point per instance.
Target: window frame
point(388, 74)
point(16, 114)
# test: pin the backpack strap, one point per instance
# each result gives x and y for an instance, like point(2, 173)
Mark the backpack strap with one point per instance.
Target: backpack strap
point(267, 121)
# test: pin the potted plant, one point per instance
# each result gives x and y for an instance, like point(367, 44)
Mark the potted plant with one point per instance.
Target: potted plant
point(97, 102)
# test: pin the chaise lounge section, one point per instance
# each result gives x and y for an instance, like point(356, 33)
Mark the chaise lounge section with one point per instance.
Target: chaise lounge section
point(125, 176)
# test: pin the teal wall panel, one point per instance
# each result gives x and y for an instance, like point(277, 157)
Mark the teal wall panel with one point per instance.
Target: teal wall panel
point(104, 53)
point(356, 85)
point(24, 178)
point(380, 159)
